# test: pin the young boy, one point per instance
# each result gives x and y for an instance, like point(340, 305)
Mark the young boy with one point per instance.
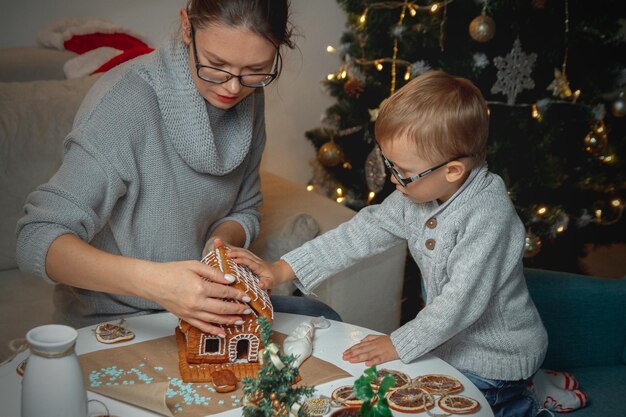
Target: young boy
point(462, 231)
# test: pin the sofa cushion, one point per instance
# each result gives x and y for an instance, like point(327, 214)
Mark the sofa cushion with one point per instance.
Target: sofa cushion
point(282, 198)
point(585, 318)
point(33, 63)
point(35, 117)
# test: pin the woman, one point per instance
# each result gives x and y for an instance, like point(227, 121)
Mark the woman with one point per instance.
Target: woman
point(163, 159)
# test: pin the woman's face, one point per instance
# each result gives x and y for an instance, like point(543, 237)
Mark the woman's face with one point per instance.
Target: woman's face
point(234, 49)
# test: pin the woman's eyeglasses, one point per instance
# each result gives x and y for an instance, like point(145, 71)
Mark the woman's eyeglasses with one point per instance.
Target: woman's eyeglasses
point(218, 76)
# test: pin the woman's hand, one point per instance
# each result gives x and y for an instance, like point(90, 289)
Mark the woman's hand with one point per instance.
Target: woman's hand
point(196, 293)
point(271, 275)
point(373, 350)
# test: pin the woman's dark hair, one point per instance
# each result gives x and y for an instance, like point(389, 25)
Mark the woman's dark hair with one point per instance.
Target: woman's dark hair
point(268, 18)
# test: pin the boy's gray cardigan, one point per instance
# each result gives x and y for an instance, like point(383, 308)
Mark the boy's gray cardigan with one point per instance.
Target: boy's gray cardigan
point(479, 316)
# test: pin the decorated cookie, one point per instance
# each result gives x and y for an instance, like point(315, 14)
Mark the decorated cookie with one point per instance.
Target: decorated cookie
point(224, 380)
point(400, 377)
point(410, 399)
point(113, 333)
point(344, 396)
point(438, 384)
point(458, 404)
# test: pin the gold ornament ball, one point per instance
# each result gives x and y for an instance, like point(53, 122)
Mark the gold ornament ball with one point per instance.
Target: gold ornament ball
point(330, 154)
point(482, 28)
point(273, 396)
point(619, 106)
point(532, 245)
point(596, 141)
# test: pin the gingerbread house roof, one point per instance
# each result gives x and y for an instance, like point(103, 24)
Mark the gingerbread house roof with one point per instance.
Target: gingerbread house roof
point(245, 280)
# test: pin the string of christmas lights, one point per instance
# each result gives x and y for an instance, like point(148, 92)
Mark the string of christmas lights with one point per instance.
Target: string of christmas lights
point(481, 30)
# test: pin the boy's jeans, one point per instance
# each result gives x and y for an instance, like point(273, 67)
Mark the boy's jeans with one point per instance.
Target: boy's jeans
point(506, 398)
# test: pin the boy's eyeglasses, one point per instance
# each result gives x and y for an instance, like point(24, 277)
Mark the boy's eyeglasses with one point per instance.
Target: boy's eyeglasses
point(218, 76)
point(406, 181)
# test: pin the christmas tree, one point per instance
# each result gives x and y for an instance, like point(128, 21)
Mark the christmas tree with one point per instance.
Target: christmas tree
point(554, 75)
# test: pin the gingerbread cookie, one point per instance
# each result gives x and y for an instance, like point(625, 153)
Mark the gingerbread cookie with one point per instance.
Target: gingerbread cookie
point(344, 396)
point(224, 380)
point(113, 333)
point(458, 404)
point(410, 399)
point(438, 384)
point(400, 377)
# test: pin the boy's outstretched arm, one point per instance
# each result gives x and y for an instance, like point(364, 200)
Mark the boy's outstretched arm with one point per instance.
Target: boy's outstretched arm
point(271, 275)
point(373, 350)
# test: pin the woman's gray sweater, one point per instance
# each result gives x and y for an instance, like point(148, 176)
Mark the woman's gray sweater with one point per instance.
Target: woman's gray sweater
point(150, 169)
point(479, 316)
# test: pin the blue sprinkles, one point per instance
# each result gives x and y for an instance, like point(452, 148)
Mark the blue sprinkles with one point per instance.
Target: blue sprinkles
point(112, 376)
point(186, 394)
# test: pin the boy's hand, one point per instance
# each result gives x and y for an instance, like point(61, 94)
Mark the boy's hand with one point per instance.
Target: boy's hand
point(213, 243)
point(373, 349)
point(271, 275)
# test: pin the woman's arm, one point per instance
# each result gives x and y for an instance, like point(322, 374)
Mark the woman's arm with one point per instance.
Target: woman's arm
point(191, 290)
point(230, 232)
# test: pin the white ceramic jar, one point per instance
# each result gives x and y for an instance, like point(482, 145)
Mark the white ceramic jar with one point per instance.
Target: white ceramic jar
point(53, 381)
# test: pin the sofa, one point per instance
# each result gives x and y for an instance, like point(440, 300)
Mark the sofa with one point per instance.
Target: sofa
point(586, 322)
point(35, 116)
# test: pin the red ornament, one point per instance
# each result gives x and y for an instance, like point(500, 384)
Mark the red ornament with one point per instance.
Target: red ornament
point(353, 88)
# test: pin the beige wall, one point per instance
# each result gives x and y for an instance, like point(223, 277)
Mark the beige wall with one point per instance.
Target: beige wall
point(294, 104)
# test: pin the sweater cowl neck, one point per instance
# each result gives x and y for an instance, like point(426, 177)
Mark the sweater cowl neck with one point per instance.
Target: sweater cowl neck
point(213, 146)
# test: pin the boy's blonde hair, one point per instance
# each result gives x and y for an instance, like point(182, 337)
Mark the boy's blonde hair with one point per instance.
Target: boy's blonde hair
point(444, 116)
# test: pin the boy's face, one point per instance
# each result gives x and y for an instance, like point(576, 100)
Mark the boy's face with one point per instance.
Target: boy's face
point(440, 184)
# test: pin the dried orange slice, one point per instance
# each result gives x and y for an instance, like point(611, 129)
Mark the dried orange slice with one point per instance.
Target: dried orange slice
point(410, 399)
point(344, 396)
point(400, 377)
point(438, 384)
point(458, 404)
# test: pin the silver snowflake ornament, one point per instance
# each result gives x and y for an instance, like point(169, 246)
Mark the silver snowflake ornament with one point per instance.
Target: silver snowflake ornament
point(480, 61)
point(514, 72)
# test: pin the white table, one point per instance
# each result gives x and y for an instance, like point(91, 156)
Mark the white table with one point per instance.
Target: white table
point(327, 345)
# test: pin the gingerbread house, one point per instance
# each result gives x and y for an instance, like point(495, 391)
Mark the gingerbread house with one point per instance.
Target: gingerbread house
point(200, 353)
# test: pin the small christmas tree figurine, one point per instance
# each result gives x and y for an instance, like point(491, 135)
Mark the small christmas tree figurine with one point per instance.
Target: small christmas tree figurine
point(271, 393)
point(374, 402)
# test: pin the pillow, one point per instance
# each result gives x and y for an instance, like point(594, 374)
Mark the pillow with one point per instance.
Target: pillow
point(297, 230)
point(33, 63)
point(35, 117)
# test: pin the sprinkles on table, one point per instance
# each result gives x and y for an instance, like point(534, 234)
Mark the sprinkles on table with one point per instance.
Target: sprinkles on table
point(185, 394)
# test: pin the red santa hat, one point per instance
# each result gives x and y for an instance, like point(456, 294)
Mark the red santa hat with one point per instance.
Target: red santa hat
point(101, 44)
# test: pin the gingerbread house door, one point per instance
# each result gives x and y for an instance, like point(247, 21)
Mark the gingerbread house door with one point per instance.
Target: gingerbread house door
point(243, 348)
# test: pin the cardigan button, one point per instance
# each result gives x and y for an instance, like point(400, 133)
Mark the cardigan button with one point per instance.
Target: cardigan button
point(430, 244)
point(431, 223)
